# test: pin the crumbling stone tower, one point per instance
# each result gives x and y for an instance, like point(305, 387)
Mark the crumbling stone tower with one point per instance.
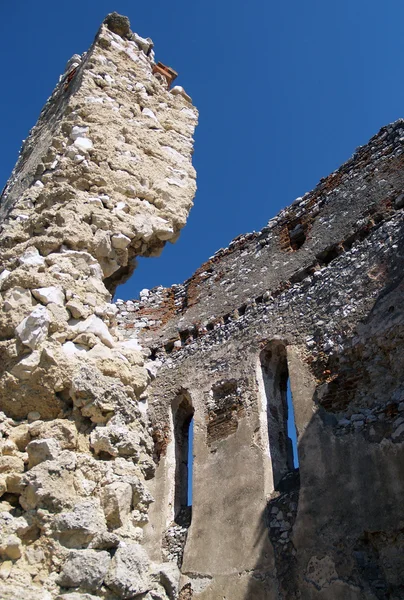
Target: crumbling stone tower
point(98, 397)
point(104, 176)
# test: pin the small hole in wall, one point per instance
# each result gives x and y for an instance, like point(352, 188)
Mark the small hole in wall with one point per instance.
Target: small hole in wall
point(329, 254)
point(169, 347)
point(391, 309)
point(297, 236)
point(242, 309)
point(184, 335)
point(153, 354)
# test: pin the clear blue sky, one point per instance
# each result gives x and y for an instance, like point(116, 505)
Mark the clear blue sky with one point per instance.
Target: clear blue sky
point(286, 92)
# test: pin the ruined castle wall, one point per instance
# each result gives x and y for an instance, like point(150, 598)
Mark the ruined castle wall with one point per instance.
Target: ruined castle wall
point(98, 398)
point(104, 176)
point(323, 303)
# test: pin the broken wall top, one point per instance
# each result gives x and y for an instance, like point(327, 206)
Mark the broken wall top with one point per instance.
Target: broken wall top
point(297, 244)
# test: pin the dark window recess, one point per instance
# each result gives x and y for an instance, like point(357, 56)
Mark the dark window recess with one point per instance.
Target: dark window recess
point(169, 347)
point(182, 421)
point(242, 309)
point(325, 257)
point(282, 433)
point(184, 335)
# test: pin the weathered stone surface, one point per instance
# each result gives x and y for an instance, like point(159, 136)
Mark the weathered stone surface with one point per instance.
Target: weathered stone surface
point(315, 297)
point(128, 573)
point(34, 328)
point(85, 568)
point(76, 529)
point(49, 294)
point(41, 450)
point(116, 500)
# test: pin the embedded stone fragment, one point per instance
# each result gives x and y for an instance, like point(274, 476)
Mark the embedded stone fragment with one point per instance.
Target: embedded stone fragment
point(41, 450)
point(11, 464)
point(78, 131)
point(178, 90)
point(24, 368)
point(33, 330)
point(83, 144)
point(62, 431)
point(50, 485)
point(77, 309)
point(169, 576)
point(17, 298)
point(10, 547)
point(76, 529)
point(119, 240)
point(49, 294)
point(85, 568)
point(72, 349)
point(12, 591)
point(115, 439)
point(128, 573)
point(96, 326)
point(116, 500)
point(32, 258)
point(3, 276)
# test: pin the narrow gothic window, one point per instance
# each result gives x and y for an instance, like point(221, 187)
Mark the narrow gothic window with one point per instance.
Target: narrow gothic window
point(281, 426)
point(183, 433)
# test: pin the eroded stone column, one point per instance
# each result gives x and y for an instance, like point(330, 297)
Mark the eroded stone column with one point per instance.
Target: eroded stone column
point(104, 176)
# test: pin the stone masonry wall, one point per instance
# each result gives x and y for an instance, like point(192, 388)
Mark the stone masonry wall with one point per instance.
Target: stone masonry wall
point(103, 177)
point(323, 281)
point(97, 397)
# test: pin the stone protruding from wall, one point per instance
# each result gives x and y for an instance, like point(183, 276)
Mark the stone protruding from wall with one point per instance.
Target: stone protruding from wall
point(104, 176)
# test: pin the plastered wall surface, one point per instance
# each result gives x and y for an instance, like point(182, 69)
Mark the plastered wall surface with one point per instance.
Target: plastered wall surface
point(97, 398)
point(332, 302)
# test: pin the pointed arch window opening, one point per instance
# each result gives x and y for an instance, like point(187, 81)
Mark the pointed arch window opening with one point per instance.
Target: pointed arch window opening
point(280, 421)
point(183, 435)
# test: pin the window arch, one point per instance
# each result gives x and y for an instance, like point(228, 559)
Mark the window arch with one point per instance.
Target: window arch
point(183, 413)
point(280, 423)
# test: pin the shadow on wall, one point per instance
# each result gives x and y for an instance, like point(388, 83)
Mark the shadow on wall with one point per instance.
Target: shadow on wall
point(336, 525)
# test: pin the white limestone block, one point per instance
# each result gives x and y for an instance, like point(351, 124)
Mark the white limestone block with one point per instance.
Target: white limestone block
point(143, 226)
point(162, 228)
point(33, 330)
point(178, 90)
point(83, 144)
point(49, 294)
point(130, 345)
point(77, 132)
point(3, 276)
point(149, 113)
point(32, 258)
point(72, 349)
point(94, 325)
